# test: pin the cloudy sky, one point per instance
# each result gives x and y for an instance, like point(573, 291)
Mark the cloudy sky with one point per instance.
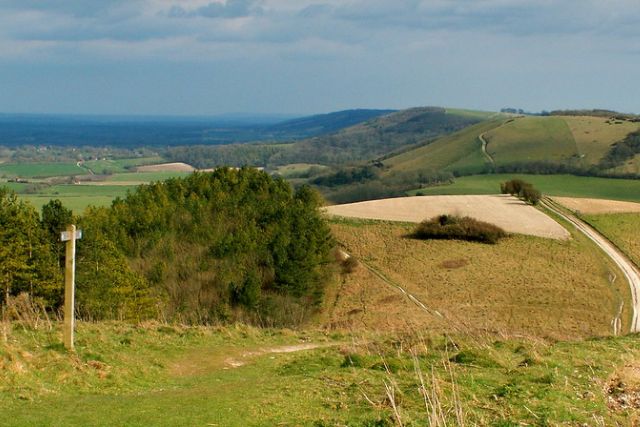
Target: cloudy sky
point(199, 57)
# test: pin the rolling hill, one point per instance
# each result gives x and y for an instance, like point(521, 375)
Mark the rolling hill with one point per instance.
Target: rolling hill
point(534, 144)
point(361, 142)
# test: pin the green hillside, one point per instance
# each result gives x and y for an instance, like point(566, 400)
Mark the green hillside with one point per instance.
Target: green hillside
point(530, 144)
point(362, 142)
point(460, 151)
point(529, 139)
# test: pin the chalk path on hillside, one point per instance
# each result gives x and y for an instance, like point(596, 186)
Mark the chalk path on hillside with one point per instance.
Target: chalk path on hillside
point(508, 212)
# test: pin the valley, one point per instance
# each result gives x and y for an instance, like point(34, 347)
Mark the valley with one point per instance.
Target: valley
point(285, 287)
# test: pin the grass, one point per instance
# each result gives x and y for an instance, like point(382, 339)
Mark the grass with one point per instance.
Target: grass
point(78, 197)
point(459, 151)
point(146, 177)
point(530, 139)
point(595, 135)
point(522, 284)
point(40, 170)
point(168, 375)
point(622, 228)
point(554, 185)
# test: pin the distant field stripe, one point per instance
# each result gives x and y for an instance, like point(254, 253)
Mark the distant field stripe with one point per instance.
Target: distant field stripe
point(41, 170)
point(553, 185)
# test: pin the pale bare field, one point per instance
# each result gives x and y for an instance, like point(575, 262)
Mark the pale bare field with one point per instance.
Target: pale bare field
point(597, 206)
point(508, 212)
point(522, 285)
point(166, 167)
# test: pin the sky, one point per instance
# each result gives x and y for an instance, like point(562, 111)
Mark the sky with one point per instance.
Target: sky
point(204, 57)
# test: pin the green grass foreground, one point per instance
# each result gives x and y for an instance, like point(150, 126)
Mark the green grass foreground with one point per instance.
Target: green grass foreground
point(553, 185)
point(155, 374)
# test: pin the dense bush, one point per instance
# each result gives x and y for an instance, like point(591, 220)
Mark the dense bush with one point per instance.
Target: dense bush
point(458, 228)
point(232, 244)
point(522, 190)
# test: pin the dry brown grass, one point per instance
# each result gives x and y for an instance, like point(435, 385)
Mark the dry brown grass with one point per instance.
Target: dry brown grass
point(522, 285)
point(166, 167)
point(597, 206)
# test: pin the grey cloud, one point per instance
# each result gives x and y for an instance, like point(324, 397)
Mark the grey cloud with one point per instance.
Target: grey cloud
point(78, 8)
point(229, 9)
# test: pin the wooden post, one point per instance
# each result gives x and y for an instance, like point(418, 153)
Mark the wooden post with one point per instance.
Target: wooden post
point(70, 236)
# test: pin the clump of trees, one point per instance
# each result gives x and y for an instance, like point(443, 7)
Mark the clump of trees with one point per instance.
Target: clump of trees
point(622, 151)
point(214, 247)
point(522, 190)
point(453, 227)
point(29, 256)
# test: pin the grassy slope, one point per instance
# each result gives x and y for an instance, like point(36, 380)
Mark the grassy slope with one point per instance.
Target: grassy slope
point(623, 229)
point(531, 139)
point(577, 140)
point(462, 150)
point(595, 135)
point(163, 375)
point(555, 185)
point(522, 284)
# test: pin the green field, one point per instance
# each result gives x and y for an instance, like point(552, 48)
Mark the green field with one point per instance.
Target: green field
point(146, 177)
point(77, 197)
point(40, 170)
point(622, 228)
point(553, 185)
point(530, 139)
point(163, 375)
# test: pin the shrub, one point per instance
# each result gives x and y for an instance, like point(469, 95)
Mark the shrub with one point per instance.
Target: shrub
point(522, 190)
point(458, 228)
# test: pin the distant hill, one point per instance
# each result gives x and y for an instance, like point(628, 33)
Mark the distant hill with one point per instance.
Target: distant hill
point(324, 123)
point(533, 144)
point(364, 141)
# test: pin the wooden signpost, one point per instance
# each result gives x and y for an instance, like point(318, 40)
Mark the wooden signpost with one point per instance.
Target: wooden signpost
point(70, 236)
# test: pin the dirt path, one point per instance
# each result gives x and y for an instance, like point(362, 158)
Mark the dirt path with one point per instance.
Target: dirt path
point(484, 149)
point(620, 259)
point(204, 361)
